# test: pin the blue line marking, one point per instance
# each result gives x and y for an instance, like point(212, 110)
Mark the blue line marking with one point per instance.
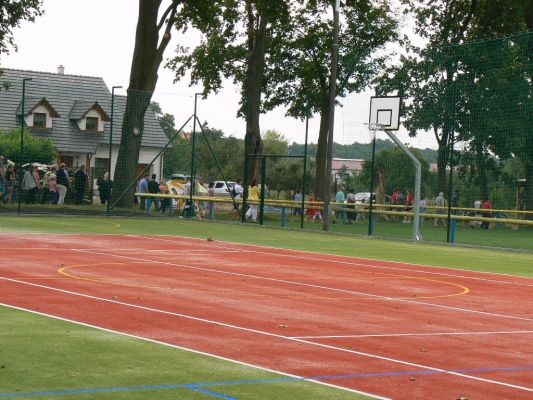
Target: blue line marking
point(199, 387)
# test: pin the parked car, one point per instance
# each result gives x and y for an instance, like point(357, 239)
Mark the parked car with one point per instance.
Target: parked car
point(221, 189)
point(359, 197)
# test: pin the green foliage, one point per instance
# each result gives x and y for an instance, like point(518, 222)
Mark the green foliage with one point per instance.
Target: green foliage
point(12, 12)
point(399, 171)
point(35, 149)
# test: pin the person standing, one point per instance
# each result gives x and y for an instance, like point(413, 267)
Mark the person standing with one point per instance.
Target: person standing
point(310, 211)
point(52, 188)
point(201, 191)
point(408, 206)
point(31, 183)
point(237, 194)
point(455, 202)
point(3, 187)
point(45, 185)
point(106, 185)
point(211, 193)
point(477, 212)
point(423, 205)
point(440, 203)
point(360, 213)
point(298, 203)
point(81, 179)
point(253, 195)
point(62, 183)
point(318, 214)
point(486, 207)
point(10, 179)
point(153, 188)
point(350, 203)
point(340, 198)
point(143, 188)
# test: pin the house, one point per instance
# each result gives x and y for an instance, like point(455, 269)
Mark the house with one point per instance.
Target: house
point(75, 112)
point(353, 166)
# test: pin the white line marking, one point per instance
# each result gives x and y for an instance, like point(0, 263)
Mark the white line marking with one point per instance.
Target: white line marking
point(351, 292)
point(192, 351)
point(413, 334)
point(374, 356)
point(352, 263)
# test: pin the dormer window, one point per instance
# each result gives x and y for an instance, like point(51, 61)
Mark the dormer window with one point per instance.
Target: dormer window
point(39, 120)
point(91, 124)
point(90, 117)
point(37, 113)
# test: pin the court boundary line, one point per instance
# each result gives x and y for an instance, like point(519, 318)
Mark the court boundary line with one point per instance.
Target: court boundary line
point(385, 335)
point(405, 264)
point(410, 301)
point(290, 376)
point(321, 345)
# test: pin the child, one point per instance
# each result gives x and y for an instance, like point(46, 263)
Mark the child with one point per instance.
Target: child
point(165, 202)
point(310, 212)
point(52, 188)
point(317, 215)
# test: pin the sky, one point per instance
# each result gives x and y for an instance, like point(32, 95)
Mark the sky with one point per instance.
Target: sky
point(96, 38)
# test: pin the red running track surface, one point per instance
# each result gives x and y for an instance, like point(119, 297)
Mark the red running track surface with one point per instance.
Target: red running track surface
point(395, 330)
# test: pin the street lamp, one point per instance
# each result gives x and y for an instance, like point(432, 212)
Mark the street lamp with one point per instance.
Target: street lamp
point(23, 114)
point(111, 134)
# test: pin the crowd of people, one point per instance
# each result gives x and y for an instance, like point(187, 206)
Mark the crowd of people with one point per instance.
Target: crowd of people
point(57, 183)
point(37, 186)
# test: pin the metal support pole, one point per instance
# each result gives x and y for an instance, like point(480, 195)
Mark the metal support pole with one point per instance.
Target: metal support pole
point(111, 137)
point(370, 215)
point(23, 114)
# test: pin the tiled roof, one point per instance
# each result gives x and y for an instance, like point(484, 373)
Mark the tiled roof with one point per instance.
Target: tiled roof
point(68, 95)
point(349, 163)
point(80, 109)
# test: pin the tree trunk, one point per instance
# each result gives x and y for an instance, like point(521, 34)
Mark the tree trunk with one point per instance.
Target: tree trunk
point(147, 57)
point(254, 86)
point(481, 170)
point(321, 153)
point(442, 156)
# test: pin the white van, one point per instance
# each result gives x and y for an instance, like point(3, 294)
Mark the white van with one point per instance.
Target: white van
point(221, 189)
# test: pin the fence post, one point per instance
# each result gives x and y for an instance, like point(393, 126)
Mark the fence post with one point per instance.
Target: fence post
point(283, 217)
point(453, 222)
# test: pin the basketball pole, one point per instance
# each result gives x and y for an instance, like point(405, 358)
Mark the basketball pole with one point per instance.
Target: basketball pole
point(418, 181)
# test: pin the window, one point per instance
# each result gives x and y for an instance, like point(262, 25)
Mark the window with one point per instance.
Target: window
point(91, 124)
point(39, 120)
point(68, 160)
point(101, 166)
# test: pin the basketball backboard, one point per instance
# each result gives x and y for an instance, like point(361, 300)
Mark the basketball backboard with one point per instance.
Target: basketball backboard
point(385, 111)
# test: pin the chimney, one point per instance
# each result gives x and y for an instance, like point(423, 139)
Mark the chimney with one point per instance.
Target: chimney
point(61, 70)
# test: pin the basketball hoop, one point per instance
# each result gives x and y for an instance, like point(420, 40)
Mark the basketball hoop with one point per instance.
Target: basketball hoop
point(373, 127)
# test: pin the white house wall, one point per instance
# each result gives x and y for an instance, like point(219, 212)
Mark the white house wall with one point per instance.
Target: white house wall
point(146, 155)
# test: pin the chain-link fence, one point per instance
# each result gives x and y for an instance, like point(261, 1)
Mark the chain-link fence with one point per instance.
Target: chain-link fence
point(466, 115)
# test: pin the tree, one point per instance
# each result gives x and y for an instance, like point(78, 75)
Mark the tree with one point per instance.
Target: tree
point(398, 169)
point(147, 57)
point(301, 56)
point(35, 149)
point(235, 44)
point(448, 82)
point(12, 12)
